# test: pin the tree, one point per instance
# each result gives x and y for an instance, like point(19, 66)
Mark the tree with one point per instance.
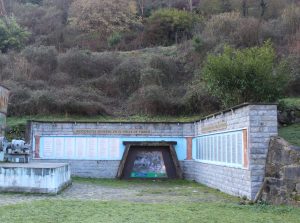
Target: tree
point(168, 26)
point(263, 6)
point(2, 9)
point(12, 36)
point(246, 75)
point(245, 8)
point(141, 5)
point(105, 16)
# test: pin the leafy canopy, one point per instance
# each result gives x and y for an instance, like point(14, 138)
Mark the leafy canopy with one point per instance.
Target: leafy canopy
point(167, 26)
point(245, 75)
point(12, 36)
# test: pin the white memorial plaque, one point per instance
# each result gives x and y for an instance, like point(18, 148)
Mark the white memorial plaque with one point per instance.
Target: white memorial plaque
point(48, 148)
point(70, 147)
point(91, 145)
point(81, 147)
point(103, 148)
point(59, 147)
point(114, 149)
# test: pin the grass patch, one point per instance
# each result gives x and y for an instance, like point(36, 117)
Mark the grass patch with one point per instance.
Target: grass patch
point(291, 134)
point(95, 211)
point(16, 120)
point(291, 102)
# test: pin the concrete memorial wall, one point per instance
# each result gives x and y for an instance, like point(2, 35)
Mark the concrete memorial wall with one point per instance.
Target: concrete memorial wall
point(226, 150)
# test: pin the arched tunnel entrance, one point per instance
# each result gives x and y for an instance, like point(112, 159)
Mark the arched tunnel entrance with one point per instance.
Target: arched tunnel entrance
point(149, 160)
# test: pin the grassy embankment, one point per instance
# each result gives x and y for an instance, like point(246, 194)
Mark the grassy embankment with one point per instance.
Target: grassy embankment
point(291, 133)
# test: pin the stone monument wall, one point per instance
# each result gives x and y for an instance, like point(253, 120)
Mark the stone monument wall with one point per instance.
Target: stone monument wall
point(226, 150)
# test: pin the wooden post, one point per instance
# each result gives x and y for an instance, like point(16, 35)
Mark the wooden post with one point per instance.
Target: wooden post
point(245, 150)
point(37, 147)
point(189, 152)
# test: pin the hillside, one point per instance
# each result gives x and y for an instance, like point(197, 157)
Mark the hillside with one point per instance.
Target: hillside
point(127, 57)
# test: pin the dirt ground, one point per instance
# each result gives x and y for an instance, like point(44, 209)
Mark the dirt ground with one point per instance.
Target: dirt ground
point(145, 192)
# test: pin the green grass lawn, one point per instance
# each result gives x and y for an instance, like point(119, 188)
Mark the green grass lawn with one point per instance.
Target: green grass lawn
point(64, 210)
point(95, 211)
point(291, 134)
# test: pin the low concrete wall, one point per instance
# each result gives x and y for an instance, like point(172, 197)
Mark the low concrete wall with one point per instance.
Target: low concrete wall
point(90, 168)
point(48, 178)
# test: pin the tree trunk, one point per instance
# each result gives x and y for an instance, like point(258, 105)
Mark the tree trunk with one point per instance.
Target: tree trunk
point(2, 9)
point(190, 5)
point(263, 6)
point(141, 4)
point(245, 8)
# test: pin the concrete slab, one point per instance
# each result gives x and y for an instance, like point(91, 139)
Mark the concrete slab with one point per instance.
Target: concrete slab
point(33, 165)
point(49, 178)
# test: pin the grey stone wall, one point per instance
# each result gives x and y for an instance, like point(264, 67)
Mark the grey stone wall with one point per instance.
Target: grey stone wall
point(69, 128)
point(90, 168)
point(261, 123)
point(262, 126)
point(233, 181)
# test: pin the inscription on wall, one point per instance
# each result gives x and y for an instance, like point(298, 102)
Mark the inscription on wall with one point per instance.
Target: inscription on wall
point(92, 148)
point(221, 125)
point(111, 132)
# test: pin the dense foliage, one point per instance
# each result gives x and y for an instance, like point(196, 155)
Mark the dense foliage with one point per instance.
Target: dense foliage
point(247, 75)
point(169, 26)
point(12, 36)
point(125, 57)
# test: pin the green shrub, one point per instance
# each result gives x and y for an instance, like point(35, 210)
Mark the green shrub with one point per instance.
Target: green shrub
point(127, 76)
point(84, 64)
point(42, 56)
point(150, 100)
point(247, 75)
point(12, 36)
point(114, 39)
point(168, 26)
point(197, 43)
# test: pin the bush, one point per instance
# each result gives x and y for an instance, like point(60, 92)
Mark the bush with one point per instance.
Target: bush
point(60, 79)
point(221, 27)
point(151, 76)
point(84, 64)
point(42, 56)
point(197, 43)
point(114, 39)
point(291, 19)
point(246, 75)
point(127, 76)
point(172, 70)
point(197, 100)
point(106, 85)
point(12, 35)
point(3, 61)
point(150, 100)
point(232, 28)
point(168, 26)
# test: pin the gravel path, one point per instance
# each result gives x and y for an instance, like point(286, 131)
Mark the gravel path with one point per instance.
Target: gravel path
point(144, 194)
